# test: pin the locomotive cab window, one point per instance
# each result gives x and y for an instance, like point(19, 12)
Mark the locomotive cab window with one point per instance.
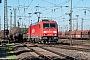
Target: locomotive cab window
point(45, 25)
point(52, 25)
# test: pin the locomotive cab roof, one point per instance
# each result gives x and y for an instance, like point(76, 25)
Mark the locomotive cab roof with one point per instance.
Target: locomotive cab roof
point(47, 20)
point(43, 20)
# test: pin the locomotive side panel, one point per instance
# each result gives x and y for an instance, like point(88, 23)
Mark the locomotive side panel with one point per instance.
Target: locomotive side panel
point(33, 31)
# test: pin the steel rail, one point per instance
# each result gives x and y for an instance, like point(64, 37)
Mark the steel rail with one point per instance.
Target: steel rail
point(63, 55)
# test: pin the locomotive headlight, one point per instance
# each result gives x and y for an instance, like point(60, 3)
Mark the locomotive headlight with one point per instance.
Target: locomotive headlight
point(54, 31)
point(44, 31)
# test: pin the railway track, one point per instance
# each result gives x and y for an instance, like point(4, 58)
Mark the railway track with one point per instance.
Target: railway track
point(84, 48)
point(44, 54)
point(82, 53)
point(23, 53)
point(51, 52)
point(36, 47)
point(70, 47)
point(82, 43)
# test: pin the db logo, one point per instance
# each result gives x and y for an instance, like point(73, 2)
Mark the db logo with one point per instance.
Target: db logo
point(33, 30)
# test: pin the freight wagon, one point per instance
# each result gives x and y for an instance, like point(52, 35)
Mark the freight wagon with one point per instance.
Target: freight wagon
point(76, 34)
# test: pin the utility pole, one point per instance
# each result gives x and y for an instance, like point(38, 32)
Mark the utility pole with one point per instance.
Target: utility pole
point(20, 22)
point(15, 17)
point(73, 24)
point(70, 23)
point(10, 20)
point(77, 22)
point(0, 19)
point(82, 24)
point(31, 22)
point(82, 28)
point(29, 17)
point(24, 28)
point(0, 22)
point(59, 27)
point(38, 15)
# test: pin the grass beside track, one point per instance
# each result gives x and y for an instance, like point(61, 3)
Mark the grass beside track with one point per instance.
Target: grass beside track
point(10, 55)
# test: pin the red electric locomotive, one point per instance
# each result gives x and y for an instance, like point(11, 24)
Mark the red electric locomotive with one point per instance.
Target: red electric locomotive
point(45, 31)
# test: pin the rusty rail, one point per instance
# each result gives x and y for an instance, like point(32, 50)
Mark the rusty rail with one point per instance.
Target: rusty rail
point(49, 58)
point(40, 55)
point(63, 55)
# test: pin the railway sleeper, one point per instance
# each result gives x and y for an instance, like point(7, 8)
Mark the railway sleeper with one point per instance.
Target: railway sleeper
point(53, 58)
point(63, 55)
point(31, 58)
point(42, 56)
point(23, 51)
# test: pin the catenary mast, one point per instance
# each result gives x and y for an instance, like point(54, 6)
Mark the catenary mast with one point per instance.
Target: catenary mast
point(5, 19)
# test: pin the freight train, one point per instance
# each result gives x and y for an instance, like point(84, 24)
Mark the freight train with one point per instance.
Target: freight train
point(76, 34)
point(45, 31)
point(14, 35)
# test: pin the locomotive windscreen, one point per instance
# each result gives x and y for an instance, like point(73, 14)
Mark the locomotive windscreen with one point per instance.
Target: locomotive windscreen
point(52, 25)
point(45, 25)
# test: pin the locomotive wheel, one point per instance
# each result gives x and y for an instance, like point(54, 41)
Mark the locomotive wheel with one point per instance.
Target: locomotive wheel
point(42, 41)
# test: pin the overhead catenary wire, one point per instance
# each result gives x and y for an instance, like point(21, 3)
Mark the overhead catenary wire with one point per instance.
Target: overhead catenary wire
point(77, 3)
point(47, 8)
point(50, 8)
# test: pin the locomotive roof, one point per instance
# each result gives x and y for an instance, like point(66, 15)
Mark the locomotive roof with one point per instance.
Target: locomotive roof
point(43, 20)
point(48, 20)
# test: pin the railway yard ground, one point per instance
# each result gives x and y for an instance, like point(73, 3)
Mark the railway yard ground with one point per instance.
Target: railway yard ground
point(75, 42)
point(44, 30)
point(60, 51)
